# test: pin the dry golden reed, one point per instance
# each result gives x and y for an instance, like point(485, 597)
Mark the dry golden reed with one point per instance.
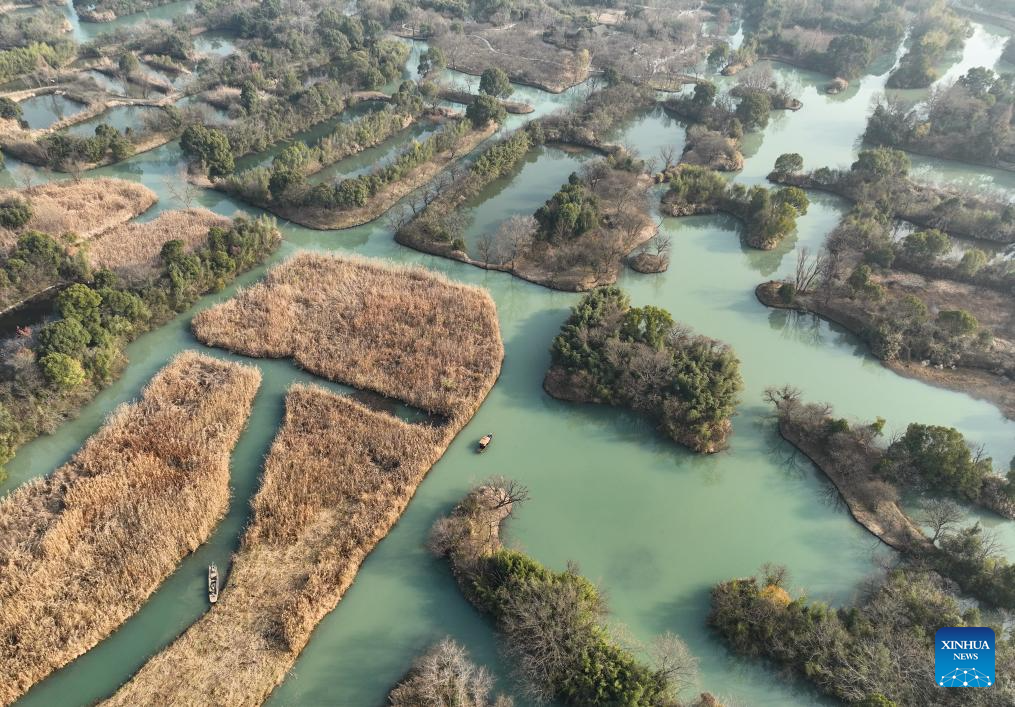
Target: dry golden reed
point(86, 207)
point(339, 474)
point(132, 249)
point(403, 332)
point(81, 550)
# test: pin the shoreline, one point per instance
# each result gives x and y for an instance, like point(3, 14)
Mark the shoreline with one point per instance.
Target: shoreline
point(976, 383)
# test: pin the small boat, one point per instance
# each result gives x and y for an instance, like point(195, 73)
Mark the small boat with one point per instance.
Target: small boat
point(213, 583)
point(484, 442)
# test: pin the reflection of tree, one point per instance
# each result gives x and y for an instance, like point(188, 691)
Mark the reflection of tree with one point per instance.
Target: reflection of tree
point(797, 326)
point(767, 262)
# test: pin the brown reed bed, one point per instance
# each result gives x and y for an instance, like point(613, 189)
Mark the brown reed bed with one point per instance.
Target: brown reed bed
point(404, 332)
point(132, 249)
point(82, 549)
point(86, 207)
point(339, 474)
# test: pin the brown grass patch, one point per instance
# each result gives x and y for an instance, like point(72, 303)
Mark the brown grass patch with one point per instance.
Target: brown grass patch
point(85, 208)
point(403, 332)
point(132, 249)
point(339, 474)
point(83, 548)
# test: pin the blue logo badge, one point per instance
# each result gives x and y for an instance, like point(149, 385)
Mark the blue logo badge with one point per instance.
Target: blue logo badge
point(964, 657)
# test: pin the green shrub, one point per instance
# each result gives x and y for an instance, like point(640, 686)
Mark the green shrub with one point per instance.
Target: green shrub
point(62, 371)
point(14, 213)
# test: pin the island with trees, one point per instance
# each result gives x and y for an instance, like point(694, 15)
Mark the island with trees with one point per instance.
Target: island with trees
point(640, 358)
point(551, 624)
point(971, 120)
point(768, 215)
point(925, 313)
point(932, 459)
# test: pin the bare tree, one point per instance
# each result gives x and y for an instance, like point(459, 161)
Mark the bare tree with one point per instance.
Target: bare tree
point(808, 268)
point(668, 156)
point(941, 515)
point(485, 247)
point(672, 658)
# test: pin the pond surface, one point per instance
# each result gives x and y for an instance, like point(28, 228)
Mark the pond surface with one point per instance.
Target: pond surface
point(215, 43)
point(43, 111)
point(119, 117)
point(654, 525)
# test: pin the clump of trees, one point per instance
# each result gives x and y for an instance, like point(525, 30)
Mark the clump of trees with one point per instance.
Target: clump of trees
point(638, 357)
point(551, 623)
point(69, 359)
point(972, 119)
point(938, 459)
point(569, 213)
point(36, 262)
point(64, 150)
point(880, 178)
point(24, 60)
point(210, 148)
point(876, 654)
point(937, 30)
point(768, 215)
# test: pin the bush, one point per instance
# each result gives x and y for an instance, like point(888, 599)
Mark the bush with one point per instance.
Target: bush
point(937, 458)
point(789, 163)
point(211, 147)
point(14, 213)
point(494, 82)
point(66, 336)
point(62, 371)
point(9, 109)
point(787, 292)
point(483, 110)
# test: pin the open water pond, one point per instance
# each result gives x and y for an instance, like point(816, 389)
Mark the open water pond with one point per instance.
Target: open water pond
point(44, 111)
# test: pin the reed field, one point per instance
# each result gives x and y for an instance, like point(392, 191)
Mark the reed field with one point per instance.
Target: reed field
point(339, 474)
point(132, 249)
point(83, 548)
point(86, 208)
point(404, 332)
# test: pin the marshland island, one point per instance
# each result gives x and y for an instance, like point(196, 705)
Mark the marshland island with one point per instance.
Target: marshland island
point(472, 354)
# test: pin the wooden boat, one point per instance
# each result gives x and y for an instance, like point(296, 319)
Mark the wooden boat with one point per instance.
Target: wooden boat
point(213, 583)
point(484, 442)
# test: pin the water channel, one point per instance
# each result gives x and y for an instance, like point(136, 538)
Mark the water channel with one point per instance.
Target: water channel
point(654, 525)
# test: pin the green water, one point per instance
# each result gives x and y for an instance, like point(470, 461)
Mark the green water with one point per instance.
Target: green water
point(655, 525)
point(119, 117)
point(42, 111)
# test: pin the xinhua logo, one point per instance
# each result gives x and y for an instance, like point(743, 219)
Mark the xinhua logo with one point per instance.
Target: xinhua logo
point(964, 657)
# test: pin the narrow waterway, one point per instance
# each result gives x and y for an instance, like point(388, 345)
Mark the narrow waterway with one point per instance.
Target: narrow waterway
point(655, 525)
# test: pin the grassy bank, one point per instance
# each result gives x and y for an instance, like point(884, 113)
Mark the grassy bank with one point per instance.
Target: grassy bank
point(84, 548)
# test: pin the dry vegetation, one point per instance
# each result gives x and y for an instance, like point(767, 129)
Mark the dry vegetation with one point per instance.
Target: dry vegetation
point(84, 548)
point(339, 474)
point(132, 249)
point(403, 332)
point(86, 207)
point(520, 51)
